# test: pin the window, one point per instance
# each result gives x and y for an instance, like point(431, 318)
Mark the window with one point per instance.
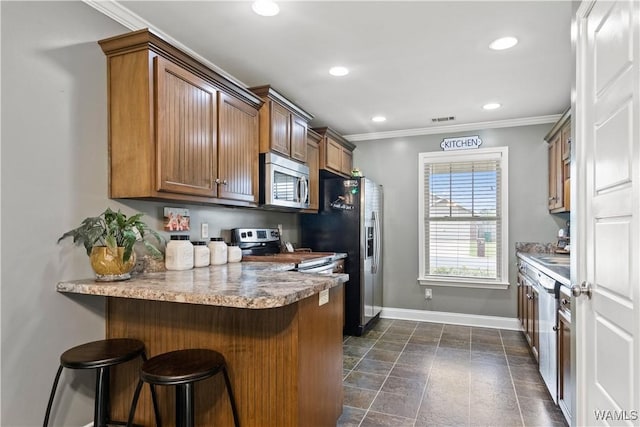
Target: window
point(463, 220)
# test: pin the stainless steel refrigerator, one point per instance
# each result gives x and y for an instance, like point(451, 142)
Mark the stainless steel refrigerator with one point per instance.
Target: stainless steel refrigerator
point(350, 220)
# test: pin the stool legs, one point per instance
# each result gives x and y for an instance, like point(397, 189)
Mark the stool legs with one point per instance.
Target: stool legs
point(185, 408)
point(236, 420)
point(102, 405)
point(53, 393)
point(101, 401)
point(185, 411)
point(134, 404)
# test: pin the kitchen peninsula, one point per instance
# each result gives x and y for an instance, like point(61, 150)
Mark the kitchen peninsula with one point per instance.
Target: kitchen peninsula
point(281, 338)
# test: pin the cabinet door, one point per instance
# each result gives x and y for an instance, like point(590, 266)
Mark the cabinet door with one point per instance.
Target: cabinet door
point(334, 155)
point(347, 162)
point(556, 174)
point(185, 131)
point(565, 398)
point(521, 301)
point(533, 319)
point(238, 150)
point(280, 129)
point(313, 161)
point(565, 136)
point(298, 138)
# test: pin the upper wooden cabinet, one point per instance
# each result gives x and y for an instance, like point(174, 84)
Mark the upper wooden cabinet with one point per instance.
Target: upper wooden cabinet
point(283, 125)
point(559, 139)
point(177, 129)
point(313, 161)
point(336, 153)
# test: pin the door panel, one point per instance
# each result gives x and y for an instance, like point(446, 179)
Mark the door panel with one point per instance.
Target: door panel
point(238, 150)
point(607, 150)
point(186, 131)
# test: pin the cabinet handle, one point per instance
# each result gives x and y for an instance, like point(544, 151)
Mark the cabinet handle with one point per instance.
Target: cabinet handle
point(555, 328)
point(224, 182)
point(217, 181)
point(564, 301)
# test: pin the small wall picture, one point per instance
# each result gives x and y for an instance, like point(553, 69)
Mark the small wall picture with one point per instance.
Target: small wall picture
point(176, 219)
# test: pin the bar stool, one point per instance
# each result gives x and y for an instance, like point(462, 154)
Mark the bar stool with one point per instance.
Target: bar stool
point(100, 355)
point(183, 368)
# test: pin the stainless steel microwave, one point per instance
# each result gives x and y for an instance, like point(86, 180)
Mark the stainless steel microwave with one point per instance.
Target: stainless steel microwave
point(284, 182)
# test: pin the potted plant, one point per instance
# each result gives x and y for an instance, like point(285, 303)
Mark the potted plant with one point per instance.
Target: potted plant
point(109, 239)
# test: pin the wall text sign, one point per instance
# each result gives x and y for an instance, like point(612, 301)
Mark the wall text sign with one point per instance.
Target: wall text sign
point(461, 143)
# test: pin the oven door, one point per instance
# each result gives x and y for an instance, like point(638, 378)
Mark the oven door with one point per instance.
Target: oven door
point(285, 182)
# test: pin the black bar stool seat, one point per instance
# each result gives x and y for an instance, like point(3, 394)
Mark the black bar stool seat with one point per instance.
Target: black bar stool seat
point(183, 368)
point(99, 355)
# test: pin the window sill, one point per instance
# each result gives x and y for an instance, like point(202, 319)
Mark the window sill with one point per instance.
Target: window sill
point(461, 283)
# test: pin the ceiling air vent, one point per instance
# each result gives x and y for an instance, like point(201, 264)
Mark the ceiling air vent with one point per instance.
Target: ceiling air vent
point(443, 119)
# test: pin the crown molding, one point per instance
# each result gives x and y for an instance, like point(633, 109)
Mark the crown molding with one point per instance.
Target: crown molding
point(134, 22)
point(527, 121)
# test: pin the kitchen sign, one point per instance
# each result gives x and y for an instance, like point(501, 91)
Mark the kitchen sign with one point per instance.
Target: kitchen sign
point(461, 143)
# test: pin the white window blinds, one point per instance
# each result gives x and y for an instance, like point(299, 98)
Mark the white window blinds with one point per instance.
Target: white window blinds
point(463, 216)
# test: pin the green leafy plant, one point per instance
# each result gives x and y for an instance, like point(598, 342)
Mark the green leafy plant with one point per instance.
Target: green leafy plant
point(113, 229)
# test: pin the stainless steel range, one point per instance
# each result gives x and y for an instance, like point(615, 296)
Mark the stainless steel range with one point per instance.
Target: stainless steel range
point(263, 245)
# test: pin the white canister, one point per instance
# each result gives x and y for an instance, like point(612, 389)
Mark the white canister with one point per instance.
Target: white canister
point(179, 253)
point(218, 249)
point(234, 253)
point(201, 254)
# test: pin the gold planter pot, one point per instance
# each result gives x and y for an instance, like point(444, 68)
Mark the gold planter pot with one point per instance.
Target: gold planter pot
point(108, 265)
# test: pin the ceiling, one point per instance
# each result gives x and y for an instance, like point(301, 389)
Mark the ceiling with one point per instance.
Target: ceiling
point(409, 61)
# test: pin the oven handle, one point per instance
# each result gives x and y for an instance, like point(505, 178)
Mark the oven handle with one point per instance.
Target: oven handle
point(321, 269)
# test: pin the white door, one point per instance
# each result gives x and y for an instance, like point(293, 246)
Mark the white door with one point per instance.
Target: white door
point(607, 147)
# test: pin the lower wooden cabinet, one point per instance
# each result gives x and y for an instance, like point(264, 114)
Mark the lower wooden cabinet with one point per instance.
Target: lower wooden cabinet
point(528, 312)
point(285, 363)
point(565, 373)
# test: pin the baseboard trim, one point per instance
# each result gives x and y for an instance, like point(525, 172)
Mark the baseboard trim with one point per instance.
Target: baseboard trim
point(451, 318)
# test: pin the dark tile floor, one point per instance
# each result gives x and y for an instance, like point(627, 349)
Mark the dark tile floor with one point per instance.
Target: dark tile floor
point(404, 373)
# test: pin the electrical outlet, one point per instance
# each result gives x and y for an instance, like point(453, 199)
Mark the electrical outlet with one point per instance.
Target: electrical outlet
point(428, 294)
point(204, 230)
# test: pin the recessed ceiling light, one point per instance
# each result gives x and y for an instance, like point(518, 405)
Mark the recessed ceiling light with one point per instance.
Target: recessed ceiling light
point(491, 106)
point(339, 71)
point(378, 119)
point(503, 43)
point(265, 7)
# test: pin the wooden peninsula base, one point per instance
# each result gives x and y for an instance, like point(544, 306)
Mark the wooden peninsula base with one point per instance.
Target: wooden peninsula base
point(285, 363)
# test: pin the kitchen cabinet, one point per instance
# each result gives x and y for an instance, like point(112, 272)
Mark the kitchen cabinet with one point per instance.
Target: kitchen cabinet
point(528, 312)
point(283, 125)
point(559, 139)
point(177, 130)
point(336, 153)
point(565, 373)
point(313, 161)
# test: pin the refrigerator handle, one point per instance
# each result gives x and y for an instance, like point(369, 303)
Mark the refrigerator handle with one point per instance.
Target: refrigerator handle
point(376, 243)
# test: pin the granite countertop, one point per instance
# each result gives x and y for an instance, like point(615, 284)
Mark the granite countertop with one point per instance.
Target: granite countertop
point(551, 264)
point(253, 285)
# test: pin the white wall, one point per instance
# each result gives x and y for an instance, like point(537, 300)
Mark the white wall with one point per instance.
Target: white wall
point(54, 174)
point(394, 164)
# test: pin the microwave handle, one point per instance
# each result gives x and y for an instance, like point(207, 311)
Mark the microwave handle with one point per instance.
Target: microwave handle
point(305, 190)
